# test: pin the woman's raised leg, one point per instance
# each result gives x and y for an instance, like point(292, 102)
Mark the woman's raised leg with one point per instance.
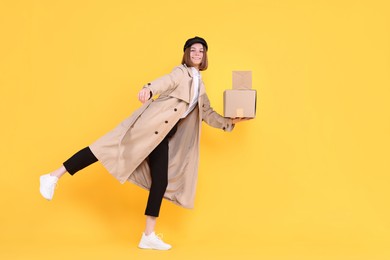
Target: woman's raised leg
point(78, 161)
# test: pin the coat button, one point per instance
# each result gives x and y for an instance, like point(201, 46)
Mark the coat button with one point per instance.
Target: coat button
point(175, 109)
point(166, 122)
point(156, 132)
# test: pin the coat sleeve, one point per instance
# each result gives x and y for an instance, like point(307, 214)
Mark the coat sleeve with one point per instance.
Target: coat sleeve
point(166, 82)
point(214, 119)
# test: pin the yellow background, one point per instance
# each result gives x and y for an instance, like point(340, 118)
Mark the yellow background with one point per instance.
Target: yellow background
point(307, 179)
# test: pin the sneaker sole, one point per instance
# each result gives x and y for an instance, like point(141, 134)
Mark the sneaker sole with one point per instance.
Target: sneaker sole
point(152, 248)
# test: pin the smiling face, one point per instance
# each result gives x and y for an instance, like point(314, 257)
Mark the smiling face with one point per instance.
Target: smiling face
point(196, 54)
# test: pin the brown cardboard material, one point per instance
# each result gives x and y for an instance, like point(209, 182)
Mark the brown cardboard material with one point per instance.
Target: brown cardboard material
point(239, 103)
point(241, 100)
point(242, 79)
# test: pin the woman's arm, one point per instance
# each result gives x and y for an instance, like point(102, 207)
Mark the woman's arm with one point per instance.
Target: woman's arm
point(214, 119)
point(161, 85)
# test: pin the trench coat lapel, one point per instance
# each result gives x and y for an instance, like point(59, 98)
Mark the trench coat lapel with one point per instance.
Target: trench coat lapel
point(202, 89)
point(191, 89)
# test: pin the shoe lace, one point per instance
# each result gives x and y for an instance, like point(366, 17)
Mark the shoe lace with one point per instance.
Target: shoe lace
point(159, 236)
point(55, 185)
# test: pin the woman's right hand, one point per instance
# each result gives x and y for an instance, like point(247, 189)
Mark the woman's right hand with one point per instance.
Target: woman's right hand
point(240, 119)
point(144, 95)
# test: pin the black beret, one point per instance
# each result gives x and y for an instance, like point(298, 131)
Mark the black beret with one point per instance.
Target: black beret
point(196, 39)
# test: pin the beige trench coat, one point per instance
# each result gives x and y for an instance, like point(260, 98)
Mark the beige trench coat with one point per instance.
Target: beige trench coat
point(124, 151)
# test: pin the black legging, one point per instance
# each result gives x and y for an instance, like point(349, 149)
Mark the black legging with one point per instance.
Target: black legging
point(158, 163)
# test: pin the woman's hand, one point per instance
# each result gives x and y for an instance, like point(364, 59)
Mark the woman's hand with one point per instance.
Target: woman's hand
point(144, 95)
point(240, 119)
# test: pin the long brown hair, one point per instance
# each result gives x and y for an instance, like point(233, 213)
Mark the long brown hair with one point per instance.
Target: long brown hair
point(187, 59)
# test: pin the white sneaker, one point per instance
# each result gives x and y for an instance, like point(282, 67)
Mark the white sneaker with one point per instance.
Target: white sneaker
point(153, 241)
point(47, 185)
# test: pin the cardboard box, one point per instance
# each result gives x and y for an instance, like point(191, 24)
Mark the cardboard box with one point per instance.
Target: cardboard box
point(239, 103)
point(241, 100)
point(242, 79)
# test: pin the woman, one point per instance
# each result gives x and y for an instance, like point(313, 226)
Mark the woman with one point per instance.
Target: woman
point(161, 137)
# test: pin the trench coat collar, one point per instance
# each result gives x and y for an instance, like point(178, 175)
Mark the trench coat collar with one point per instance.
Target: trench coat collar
point(189, 70)
point(201, 85)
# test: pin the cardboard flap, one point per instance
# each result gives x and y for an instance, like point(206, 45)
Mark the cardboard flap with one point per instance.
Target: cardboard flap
point(242, 79)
